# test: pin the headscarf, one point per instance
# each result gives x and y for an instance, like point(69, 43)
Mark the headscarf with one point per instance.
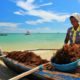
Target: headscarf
point(77, 17)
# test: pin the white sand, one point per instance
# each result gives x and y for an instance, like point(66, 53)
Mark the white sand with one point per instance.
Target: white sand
point(45, 54)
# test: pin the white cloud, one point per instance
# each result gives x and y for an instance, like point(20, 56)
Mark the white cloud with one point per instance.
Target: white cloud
point(26, 5)
point(46, 16)
point(35, 22)
point(43, 15)
point(16, 30)
point(46, 4)
point(18, 13)
point(29, 4)
point(42, 30)
point(11, 27)
point(8, 24)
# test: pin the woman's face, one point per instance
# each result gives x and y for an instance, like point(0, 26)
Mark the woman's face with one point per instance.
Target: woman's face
point(74, 22)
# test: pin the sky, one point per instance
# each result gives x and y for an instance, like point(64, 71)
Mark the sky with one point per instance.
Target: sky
point(37, 16)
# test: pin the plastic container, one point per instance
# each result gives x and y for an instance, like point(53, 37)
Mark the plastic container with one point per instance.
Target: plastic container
point(67, 67)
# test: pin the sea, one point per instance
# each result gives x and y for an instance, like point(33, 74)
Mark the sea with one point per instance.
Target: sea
point(20, 41)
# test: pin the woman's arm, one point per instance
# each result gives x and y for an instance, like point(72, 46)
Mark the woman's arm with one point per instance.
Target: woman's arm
point(67, 37)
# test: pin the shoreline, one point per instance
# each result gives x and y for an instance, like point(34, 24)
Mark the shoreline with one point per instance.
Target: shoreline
point(21, 42)
point(30, 47)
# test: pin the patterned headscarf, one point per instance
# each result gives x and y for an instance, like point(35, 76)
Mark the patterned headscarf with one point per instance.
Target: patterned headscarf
point(77, 16)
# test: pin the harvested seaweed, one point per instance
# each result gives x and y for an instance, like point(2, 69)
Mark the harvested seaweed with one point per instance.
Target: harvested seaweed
point(69, 53)
point(26, 57)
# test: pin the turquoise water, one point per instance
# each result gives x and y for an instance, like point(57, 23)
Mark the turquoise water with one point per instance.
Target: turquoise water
point(36, 40)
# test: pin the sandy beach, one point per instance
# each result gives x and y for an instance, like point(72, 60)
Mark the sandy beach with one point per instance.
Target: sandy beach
point(45, 54)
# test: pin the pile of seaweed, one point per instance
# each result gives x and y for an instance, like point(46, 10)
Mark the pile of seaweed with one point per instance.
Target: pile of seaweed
point(26, 57)
point(68, 54)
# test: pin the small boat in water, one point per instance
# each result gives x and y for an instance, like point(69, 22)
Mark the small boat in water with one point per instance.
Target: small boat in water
point(27, 33)
point(38, 75)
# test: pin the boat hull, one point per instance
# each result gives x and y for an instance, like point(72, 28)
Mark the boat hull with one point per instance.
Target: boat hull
point(19, 69)
point(39, 75)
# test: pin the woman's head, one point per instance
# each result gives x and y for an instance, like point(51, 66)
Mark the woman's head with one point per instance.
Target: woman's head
point(74, 21)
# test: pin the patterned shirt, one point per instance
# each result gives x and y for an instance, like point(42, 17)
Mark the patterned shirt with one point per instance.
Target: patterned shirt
point(73, 35)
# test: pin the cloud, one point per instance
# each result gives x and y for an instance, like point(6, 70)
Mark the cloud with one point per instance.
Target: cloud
point(16, 30)
point(42, 30)
point(18, 13)
point(8, 24)
point(35, 22)
point(35, 10)
point(46, 17)
point(26, 5)
point(46, 4)
point(29, 4)
point(11, 27)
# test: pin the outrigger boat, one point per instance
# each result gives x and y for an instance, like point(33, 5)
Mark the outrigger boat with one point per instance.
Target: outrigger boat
point(27, 33)
point(40, 74)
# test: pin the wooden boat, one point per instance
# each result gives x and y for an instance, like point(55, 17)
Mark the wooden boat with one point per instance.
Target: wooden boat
point(39, 75)
point(27, 33)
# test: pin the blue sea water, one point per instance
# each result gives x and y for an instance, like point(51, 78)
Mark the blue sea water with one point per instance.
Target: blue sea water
point(19, 41)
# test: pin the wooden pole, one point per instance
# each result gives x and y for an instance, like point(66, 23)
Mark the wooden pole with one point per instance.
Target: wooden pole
point(41, 49)
point(28, 72)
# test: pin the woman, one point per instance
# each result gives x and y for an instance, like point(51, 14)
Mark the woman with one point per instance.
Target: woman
point(73, 33)
point(69, 53)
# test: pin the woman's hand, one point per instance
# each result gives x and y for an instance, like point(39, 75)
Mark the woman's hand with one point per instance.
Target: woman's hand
point(65, 47)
